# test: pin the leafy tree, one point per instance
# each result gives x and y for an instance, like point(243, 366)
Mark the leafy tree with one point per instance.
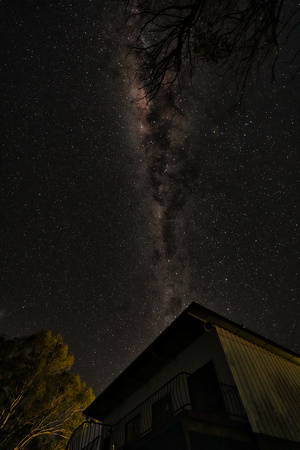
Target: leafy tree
point(235, 36)
point(40, 400)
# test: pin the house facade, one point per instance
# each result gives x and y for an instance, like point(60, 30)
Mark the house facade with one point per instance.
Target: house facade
point(204, 383)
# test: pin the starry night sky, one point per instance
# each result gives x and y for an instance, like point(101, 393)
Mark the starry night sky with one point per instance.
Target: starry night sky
point(118, 214)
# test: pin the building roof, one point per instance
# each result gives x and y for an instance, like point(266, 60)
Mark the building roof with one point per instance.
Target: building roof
point(182, 332)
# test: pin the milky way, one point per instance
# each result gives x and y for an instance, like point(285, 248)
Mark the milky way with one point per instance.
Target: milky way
point(119, 213)
point(223, 163)
point(169, 178)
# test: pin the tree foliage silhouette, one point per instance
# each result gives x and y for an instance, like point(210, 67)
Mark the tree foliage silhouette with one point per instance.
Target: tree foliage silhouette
point(170, 37)
point(40, 400)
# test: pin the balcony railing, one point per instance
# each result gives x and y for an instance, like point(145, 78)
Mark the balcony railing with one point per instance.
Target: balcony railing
point(233, 402)
point(160, 406)
point(165, 403)
point(90, 435)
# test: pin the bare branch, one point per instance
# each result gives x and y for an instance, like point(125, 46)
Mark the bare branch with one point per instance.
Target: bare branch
point(172, 37)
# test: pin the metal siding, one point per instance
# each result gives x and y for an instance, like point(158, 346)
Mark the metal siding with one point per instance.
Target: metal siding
point(269, 387)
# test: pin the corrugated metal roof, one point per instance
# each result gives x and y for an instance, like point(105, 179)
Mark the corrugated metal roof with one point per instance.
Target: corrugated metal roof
point(269, 386)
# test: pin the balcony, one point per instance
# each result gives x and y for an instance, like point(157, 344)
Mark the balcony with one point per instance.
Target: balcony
point(169, 401)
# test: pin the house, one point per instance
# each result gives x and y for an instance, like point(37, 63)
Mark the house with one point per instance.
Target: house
point(204, 383)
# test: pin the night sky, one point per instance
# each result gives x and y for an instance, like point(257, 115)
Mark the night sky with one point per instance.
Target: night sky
point(118, 214)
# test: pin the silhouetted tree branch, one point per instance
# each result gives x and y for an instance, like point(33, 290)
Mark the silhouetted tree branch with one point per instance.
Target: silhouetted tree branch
point(170, 37)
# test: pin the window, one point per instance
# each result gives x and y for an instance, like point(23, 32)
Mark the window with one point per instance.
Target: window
point(205, 390)
point(162, 409)
point(133, 428)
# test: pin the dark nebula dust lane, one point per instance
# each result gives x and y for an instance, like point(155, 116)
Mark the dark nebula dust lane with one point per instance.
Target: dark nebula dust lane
point(169, 176)
point(119, 213)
